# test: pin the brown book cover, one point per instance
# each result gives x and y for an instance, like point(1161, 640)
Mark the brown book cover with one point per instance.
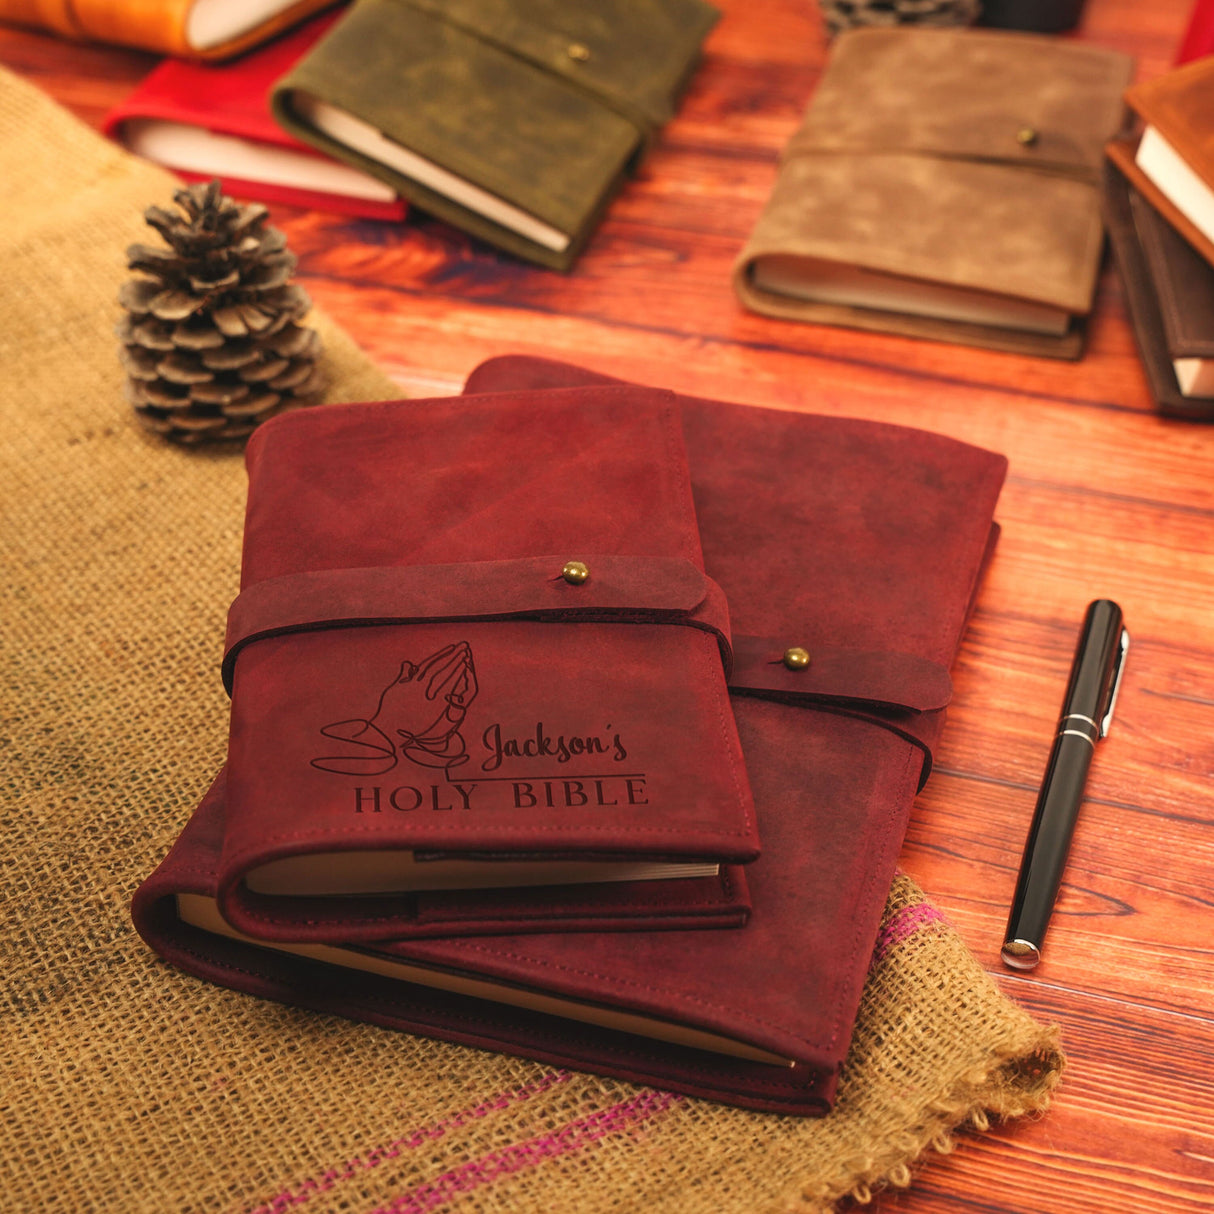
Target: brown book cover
point(1123, 210)
point(1179, 107)
point(944, 184)
point(1183, 282)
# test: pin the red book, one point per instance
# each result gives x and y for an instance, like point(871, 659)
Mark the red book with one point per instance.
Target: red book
point(427, 710)
point(206, 120)
point(888, 530)
point(1199, 37)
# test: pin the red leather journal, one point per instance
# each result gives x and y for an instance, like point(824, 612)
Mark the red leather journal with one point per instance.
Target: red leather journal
point(207, 120)
point(891, 528)
point(424, 696)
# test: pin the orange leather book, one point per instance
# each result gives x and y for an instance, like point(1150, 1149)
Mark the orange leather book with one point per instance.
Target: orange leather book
point(1172, 164)
point(193, 29)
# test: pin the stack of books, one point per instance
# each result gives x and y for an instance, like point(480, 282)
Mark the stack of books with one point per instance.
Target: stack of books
point(1159, 205)
point(540, 743)
point(517, 122)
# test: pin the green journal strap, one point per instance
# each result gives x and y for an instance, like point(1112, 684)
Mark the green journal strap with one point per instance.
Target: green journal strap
point(633, 56)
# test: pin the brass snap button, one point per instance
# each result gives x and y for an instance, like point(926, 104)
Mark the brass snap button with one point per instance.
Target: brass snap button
point(1026, 136)
point(796, 658)
point(575, 50)
point(575, 572)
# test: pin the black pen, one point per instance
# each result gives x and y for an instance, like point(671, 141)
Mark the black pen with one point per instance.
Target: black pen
point(1087, 712)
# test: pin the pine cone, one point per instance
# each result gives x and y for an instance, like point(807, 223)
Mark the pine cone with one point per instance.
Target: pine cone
point(846, 14)
point(210, 340)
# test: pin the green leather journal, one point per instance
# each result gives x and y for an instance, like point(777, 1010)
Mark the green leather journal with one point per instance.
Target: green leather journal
point(516, 120)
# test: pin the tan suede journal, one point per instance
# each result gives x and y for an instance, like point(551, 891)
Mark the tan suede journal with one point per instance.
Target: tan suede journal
point(943, 184)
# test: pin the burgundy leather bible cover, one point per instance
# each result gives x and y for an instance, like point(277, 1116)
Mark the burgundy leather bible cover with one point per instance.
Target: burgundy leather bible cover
point(890, 529)
point(412, 674)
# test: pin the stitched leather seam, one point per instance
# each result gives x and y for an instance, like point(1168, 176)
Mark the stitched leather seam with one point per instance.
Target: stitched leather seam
point(254, 853)
point(579, 1061)
point(629, 912)
point(1082, 174)
point(539, 616)
point(892, 839)
point(640, 986)
point(502, 925)
point(732, 747)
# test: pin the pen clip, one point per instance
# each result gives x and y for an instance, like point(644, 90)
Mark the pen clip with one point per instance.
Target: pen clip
point(1123, 646)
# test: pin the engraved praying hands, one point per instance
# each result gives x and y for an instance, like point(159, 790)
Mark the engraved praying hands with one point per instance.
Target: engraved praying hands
point(418, 717)
point(445, 681)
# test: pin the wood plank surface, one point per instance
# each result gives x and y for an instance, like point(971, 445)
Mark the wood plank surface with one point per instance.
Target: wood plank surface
point(1104, 499)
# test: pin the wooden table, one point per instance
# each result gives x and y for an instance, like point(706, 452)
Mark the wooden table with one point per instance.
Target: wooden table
point(1104, 499)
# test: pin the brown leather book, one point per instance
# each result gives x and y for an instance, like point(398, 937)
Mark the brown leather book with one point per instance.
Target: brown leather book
point(1172, 165)
point(943, 184)
point(192, 29)
point(1184, 287)
point(1170, 298)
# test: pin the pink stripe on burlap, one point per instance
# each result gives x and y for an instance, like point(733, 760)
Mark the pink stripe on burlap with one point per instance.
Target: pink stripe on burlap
point(904, 923)
point(511, 1160)
point(409, 1142)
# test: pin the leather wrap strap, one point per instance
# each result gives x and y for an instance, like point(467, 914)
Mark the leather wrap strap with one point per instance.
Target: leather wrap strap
point(620, 589)
point(516, 34)
point(901, 692)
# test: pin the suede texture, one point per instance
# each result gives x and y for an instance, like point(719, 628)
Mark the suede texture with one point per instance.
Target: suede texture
point(542, 104)
point(895, 526)
point(517, 715)
point(639, 589)
point(908, 163)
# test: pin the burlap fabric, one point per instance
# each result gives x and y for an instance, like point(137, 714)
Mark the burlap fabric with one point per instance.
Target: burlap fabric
point(126, 1086)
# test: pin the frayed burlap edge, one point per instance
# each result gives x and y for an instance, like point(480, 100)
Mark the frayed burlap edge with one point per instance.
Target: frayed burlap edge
point(921, 967)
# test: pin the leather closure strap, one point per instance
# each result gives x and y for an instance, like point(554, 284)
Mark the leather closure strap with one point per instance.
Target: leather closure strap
point(580, 65)
point(1019, 158)
point(901, 692)
point(1040, 105)
point(619, 589)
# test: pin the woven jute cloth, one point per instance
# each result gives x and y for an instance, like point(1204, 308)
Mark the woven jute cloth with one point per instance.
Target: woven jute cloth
point(127, 1086)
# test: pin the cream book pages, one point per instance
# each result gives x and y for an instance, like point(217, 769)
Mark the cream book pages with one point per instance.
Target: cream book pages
point(362, 137)
point(1171, 173)
point(177, 145)
point(853, 286)
point(1195, 376)
point(213, 22)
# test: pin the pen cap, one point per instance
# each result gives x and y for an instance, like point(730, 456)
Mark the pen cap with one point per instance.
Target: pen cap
point(1094, 671)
